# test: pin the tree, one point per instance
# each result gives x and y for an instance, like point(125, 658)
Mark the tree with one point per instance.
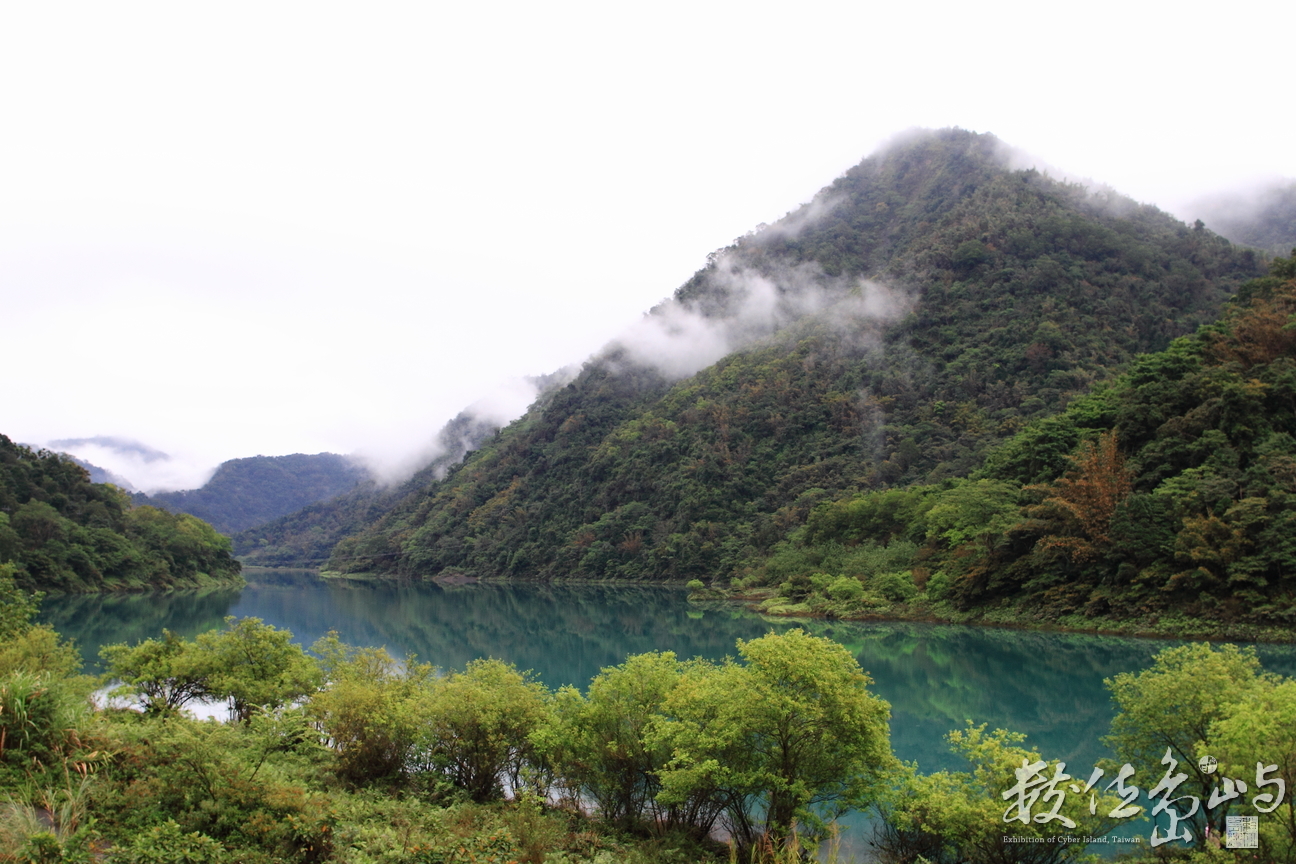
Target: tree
point(17, 607)
point(1262, 727)
point(478, 727)
point(597, 742)
point(950, 817)
point(793, 731)
point(168, 673)
point(252, 665)
point(1173, 705)
point(975, 510)
point(370, 711)
point(1078, 507)
point(26, 647)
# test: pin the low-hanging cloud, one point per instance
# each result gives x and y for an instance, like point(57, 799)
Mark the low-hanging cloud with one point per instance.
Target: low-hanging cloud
point(744, 305)
point(470, 428)
point(1261, 214)
point(141, 467)
point(741, 306)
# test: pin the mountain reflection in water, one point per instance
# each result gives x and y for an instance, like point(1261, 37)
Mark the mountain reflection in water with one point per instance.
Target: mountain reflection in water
point(936, 677)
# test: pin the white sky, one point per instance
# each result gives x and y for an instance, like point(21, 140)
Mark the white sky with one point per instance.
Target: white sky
point(238, 228)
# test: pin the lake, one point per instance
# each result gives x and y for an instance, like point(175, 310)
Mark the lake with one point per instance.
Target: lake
point(936, 677)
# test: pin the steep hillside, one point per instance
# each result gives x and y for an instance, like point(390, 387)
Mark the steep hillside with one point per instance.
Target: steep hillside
point(921, 309)
point(251, 491)
point(64, 533)
point(1170, 492)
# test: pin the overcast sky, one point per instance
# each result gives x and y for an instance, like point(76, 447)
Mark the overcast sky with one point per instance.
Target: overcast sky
point(239, 228)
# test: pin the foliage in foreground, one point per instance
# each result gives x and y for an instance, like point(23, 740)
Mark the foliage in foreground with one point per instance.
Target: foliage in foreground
point(346, 755)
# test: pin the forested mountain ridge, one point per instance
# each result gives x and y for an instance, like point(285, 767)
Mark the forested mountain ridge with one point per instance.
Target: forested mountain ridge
point(919, 311)
point(305, 538)
point(64, 533)
point(1169, 492)
point(257, 489)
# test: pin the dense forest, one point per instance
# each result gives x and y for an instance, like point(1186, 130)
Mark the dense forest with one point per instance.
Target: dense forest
point(1167, 491)
point(346, 754)
point(63, 533)
point(923, 309)
point(258, 489)
point(944, 389)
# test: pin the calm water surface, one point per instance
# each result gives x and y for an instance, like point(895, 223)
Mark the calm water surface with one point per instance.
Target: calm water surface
point(936, 677)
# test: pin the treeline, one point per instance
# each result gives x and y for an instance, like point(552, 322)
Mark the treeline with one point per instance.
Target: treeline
point(1026, 291)
point(63, 533)
point(1171, 490)
point(346, 755)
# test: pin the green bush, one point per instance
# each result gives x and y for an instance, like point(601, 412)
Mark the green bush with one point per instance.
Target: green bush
point(938, 585)
point(896, 587)
point(845, 589)
point(169, 844)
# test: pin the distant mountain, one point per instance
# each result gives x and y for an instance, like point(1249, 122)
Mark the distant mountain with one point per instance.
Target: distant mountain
point(247, 492)
point(1265, 219)
point(306, 538)
point(919, 311)
point(102, 475)
point(126, 446)
point(131, 464)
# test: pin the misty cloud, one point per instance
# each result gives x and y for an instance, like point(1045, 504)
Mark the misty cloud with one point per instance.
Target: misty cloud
point(143, 467)
point(791, 225)
point(1262, 214)
point(742, 306)
point(469, 428)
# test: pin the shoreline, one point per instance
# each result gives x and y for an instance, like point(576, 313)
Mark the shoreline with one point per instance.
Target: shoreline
point(1172, 625)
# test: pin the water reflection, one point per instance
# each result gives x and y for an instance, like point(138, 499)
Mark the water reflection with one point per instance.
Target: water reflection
point(1048, 685)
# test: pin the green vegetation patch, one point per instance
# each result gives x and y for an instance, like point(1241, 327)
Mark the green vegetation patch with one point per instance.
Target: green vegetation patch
point(1164, 502)
point(63, 533)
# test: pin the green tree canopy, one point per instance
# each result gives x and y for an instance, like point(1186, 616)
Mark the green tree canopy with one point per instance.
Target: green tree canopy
point(793, 730)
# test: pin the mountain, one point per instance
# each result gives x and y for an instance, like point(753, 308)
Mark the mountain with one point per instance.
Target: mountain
point(247, 492)
point(1265, 219)
point(132, 465)
point(306, 538)
point(101, 475)
point(120, 446)
point(1163, 498)
point(921, 310)
point(1180, 488)
point(61, 532)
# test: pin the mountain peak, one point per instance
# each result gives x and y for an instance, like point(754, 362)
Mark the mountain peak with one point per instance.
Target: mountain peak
point(920, 309)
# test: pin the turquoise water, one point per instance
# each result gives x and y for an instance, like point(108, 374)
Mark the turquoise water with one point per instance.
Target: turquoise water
point(936, 677)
